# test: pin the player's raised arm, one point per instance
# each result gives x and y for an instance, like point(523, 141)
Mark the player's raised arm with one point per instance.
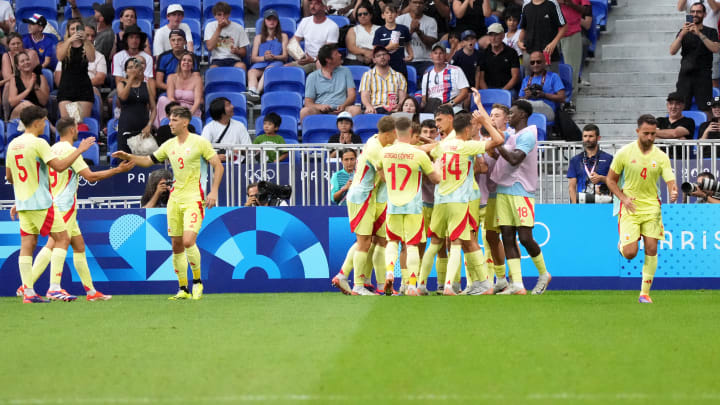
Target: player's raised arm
point(218, 171)
point(60, 165)
point(90, 175)
point(142, 161)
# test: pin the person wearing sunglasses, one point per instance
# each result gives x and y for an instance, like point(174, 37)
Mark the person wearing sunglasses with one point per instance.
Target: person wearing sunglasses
point(543, 89)
point(359, 39)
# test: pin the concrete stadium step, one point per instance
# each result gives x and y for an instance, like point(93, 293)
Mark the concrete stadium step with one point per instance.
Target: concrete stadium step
point(616, 117)
point(657, 24)
point(638, 65)
point(641, 10)
point(614, 89)
point(635, 50)
point(640, 38)
point(620, 104)
point(633, 78)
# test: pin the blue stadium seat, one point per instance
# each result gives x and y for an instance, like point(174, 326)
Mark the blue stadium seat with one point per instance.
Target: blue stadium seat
point(112, 127)
point(282, 78)
point(288, 127)
point(26, 8)
point(238, 9)
point(143, 8)
point(92, 131)
point(600, 12)
point(492, 96)
point(282, 103)
point(698, 116)
point(92, 154)
point(50, 79)
point(97, 106)
point(491, 20)
point(365, 125)
point(716, 92)
point(412, 80)
point(284, 8)
point(236, 99)
point(288, 26)
point(340, 20)
point(318, 128)
point(2, 139)
point(191, 8)
point(85, 8)
point(197, 123)
point(540, 121)
point(12, 131)
point(225, 79)
point(196, 32)
point(357, 73)
point(566, 73)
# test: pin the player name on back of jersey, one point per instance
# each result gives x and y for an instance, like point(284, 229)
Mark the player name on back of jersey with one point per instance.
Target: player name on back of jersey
point(392, 155)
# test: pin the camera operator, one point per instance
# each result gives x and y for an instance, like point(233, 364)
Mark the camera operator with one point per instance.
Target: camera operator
point(543, 89)
point(707, 190)
point(157, 190)
point(591, 164)
point(264, 194)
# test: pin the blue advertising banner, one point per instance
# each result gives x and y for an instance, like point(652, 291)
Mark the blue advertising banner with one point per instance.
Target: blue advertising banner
point(297, 249)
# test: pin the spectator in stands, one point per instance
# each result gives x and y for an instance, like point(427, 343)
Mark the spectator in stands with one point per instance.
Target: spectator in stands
point(342, 179)
point(102, 21)
point(128, 17)
point(470, 15)
point(76, 53)
point(543, 89)
point(223, 129)
point(15, 46)
point(437, 81)
point(512, 36)
point(157, 189)
point(169, 61)
point(43, 44)
point(359, 39)
point(334, 7)
point(164, 132)
point(542, 26)
point(137, 101)
point(452, 45)
point(345, 133)
point(135, 41)
point(185, 87)
point(423, 31)
point(96, 70)
point(225, 39)
point(675, 126)
point(395, 38)
point(331, 89)
point(438, 10)
point(711, 129)
point(7, 17)
point(698, 44)
point(269, 50)
point(381, 88)
point(712, 14)
point(500, 69)
point(175, 14)
point(29, 88)
point(411, 105)
point(571, 42)
point(588, 170)
point(316, 30)
point(468, 58)
point(271, 124)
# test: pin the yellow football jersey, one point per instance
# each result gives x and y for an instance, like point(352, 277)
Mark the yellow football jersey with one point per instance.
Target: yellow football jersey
point(641, 172)
point(189, 162)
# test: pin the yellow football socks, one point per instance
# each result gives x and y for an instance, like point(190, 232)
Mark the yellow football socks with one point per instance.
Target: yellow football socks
point(347, 265)
point(474, 268)
point(378, 263)
point(391, 257)
point(648, 273)
point(81, 266)
point(368, 270)
point(193, 256)
point(180, 265)
point(42, 259)
point(57, 261)
point(360, 262)
point(539, 263)
point(427, 262)
point(515, 271)
point(499, 271)
point(25, 266)
point(413, 264)
point(453, 266)
point(441, 266)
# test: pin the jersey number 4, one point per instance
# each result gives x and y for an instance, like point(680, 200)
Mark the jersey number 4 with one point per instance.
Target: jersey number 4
point(452, 167)
point(393, 175)
point(643, 173)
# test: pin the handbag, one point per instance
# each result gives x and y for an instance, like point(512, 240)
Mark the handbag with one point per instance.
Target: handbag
point(295, 50)
point(142, 145)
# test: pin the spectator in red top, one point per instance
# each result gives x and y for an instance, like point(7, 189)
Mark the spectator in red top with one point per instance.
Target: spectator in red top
point(571, 43)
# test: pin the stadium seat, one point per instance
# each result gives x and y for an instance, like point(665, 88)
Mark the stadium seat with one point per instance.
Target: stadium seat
point(284, 8)
point(365, 125)
point(85, 8)
point(26, 8)
point(492, 96)
point(288, 127)
point(2, 139)
point(143, 8)
point(357, 73)
point(196, 32)
point(92, 154)
point(238, 10)
point(566, 74)
point(288, 25)
point(225, 79)
point(412, 81)
point(50, 79)
point(340, 20)
point(92, 131)
point(282, 103)
point(282, 78)
point(112, 128)
point(12, 131)
point(600, 12)
point(716, 92)
point(191, 8)
point(540, 121)
point(197, 123)
point(698, 116)
point(97, 106)
point(491, 20)
point(236, 99)
point(318, 128)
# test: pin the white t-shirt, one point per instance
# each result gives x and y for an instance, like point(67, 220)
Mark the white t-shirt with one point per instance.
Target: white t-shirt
point(6, 11)
point(317, 35)
point(97, 66)
point(440, 90)
point(161, 42)
point(711, 17)
point(512, 41)
point(118, 67)
point(232, 35)
point(428, 26)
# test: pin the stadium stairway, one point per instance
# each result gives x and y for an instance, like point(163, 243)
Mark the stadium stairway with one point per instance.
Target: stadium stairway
point(633, 70)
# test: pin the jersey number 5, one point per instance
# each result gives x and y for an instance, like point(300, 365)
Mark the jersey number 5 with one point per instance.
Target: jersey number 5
point(23, 174)
point(393, 174)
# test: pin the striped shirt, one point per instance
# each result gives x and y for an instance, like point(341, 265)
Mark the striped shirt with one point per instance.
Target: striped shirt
point(445, 84)
point(380, 87)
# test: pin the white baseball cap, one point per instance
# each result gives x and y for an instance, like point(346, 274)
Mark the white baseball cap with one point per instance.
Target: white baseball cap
point(174, 8)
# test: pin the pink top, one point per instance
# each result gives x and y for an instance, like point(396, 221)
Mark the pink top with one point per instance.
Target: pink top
point(526, 173)
point(572, 17)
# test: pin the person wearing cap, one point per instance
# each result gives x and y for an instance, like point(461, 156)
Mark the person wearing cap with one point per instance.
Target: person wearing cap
point(225, 39)
point(316, 30)
point(468, 58)
point(500, 68)
point(470, 15)
point(161, 43)
point(341, 180)
point(269, 50)
point(443, 83)
point(675, 126)
point(134, 40)
point(710, 129)
point(395, 38)
point(76, 53)
point(542, 26)
point(102, 21)
point(345, 134)
point(423, 34)
point(331, 89)
point(168, 61)
point(44, 44)
point(381, 88)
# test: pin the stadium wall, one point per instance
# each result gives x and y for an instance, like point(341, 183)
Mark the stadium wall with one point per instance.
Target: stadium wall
point(300, 248)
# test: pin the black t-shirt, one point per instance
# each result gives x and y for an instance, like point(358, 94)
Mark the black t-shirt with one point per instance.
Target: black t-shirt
point(541, 23)
point(707, 152)
point(685, 122)
point(430, 11)
point(355, 138)
point(383, 36)
point(696, 56)
point(498, 67)
point(468, 63)
point(474, 19)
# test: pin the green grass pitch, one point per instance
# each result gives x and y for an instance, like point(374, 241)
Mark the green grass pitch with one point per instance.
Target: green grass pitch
point(564, 347)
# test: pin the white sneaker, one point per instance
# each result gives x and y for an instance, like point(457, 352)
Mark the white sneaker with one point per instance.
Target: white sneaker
point(585, 83)
point(403, 289)
point(513, 290)
point(361, 290)
point(422, 290)
point(481, 288)
point(457, 287)
point(500, 285)
point(542, 283)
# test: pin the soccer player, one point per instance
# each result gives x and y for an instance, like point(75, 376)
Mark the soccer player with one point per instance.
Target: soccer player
point(402, 165)
point(451, 213)
point(28, 158)
point(367, 200)
point(63, 187)
point(189, 155)
point(641, 164)
point(516, 175)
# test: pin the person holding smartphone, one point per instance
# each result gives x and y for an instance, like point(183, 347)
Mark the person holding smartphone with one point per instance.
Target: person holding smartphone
point(710, 129)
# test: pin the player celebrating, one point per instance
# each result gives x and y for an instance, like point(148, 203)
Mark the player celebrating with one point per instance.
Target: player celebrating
point(402, 165)
point(64, 190)
point(641, 163)
point(188, 154)
point(28, 159)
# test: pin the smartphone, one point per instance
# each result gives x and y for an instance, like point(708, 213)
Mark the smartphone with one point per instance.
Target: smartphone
point(715, 119)
point(689, 18)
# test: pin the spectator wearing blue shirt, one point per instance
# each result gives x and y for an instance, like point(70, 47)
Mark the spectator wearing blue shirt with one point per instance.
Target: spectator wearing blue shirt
point(396, 39)
point(543, 89)
point(168, 61)
point(331, 89)
point(44, 44)
point(342, 179)
point(588, 169)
